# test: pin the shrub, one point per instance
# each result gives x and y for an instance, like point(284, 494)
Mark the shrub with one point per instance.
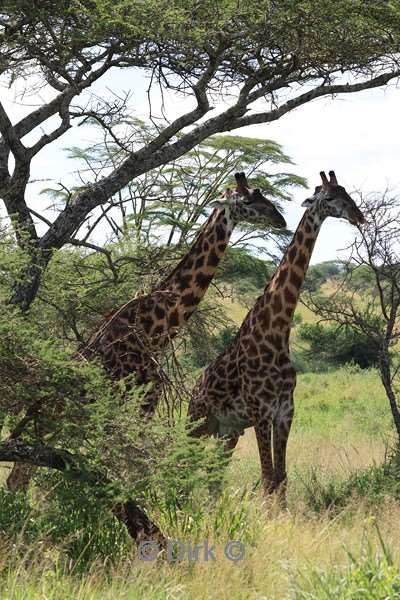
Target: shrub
point(75, 407)
point(336, 346)
point(371, 576)
point(371, 485)
point(319, 274)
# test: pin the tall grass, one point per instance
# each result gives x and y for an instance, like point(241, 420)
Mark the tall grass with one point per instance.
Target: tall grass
point(339, 537)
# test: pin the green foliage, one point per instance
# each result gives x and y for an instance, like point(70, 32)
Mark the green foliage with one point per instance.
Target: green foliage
point(68, 517)
point(362, 278)
point(372, 576)
point(13, 259)
point(98, 421)
point(341, 404)
point(15, 516)
point(319, 274)
point(224, 338)
point(371, 485)
point(193, 27)
point(239, 266)
point(171, 201)
point(334, 346)
point(35, 371)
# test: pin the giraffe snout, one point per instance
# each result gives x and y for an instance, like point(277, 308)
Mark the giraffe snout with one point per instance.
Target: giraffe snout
point(278, 221)
point(357, 218)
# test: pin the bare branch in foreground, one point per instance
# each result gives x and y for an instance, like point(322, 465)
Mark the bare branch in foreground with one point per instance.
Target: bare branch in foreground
point(129, 513)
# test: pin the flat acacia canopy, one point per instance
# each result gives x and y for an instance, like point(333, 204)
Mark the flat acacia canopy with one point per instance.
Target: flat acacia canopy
point(264, 57)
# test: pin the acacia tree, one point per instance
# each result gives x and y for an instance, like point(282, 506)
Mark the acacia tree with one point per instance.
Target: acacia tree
point(172, 200)
point(265, 58)
point(367, 299)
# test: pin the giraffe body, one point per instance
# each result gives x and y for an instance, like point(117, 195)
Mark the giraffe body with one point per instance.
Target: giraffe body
point(134, 338)
point(252, 382)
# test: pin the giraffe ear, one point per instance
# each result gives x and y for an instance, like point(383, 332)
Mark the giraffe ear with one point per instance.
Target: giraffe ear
point(218, 203)
point(310, 201)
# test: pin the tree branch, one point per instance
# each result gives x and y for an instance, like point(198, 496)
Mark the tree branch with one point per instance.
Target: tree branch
point(56, 133)
point(101, 250)
point(322, 90)
point(129, 513)
point(157, 153)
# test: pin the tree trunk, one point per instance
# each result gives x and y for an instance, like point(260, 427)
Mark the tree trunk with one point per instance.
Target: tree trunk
point(386, 379)
point(24, 292)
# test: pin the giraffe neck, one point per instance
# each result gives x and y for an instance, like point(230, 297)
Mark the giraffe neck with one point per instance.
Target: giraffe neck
point(282, 293)
point(192, 276)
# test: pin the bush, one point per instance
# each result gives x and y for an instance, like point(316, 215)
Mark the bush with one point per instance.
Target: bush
point(336, 346)
point(321, 273)
point(75, 407)
point(371, 577)
point(239, 265)
point(372, 485)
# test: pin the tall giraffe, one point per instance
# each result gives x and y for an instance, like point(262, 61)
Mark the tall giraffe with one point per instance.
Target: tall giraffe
point(133, 338)
point(252, 382)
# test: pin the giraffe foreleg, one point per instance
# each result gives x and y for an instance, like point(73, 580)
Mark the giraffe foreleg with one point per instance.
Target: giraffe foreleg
point(263, 434)
point(281, 429)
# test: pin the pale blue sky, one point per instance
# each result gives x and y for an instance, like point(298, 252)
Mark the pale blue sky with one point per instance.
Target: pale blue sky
point(357, 135)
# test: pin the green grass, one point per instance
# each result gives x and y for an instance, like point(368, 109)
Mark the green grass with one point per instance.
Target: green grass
point(339, 537)
point(369, 577)
point(349, 400)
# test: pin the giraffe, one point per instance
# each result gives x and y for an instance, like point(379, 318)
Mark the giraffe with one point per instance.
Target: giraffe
point(252, 382)
point(133, 338)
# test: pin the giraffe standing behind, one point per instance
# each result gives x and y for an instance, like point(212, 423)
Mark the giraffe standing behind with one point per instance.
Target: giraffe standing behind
point(133, 338)
point(252, 382)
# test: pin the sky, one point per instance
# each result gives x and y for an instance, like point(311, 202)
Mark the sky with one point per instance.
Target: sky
point(356, 135)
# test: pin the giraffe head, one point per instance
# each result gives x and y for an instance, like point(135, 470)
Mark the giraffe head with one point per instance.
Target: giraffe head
point(249, 205)
point(331, 200)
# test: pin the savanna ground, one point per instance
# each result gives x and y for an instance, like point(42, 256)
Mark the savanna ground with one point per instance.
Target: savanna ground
point(339, 537)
